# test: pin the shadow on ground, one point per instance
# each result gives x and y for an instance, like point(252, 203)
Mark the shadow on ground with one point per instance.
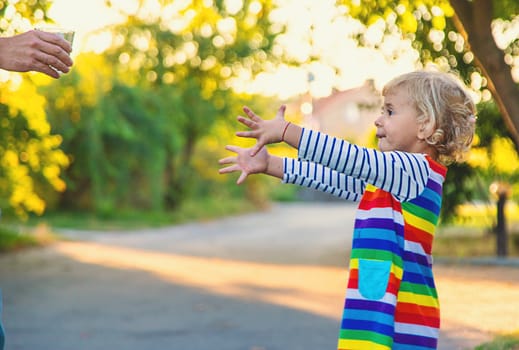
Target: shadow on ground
point(55, 302)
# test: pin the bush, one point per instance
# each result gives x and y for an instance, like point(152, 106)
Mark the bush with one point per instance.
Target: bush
point(12, 240)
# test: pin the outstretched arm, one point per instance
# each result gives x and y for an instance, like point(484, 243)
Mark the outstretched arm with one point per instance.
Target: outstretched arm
point(292, 171)
point(262, 163)
point(269, 131)
point(400, 173)
point(321, 178)
point(35, 51)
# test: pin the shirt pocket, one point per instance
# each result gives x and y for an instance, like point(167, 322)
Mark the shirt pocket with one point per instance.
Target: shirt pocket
point(373, 278)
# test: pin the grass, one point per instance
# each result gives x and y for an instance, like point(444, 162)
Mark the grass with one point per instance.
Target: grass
point(472, 244)
point(201, 210)
point(482, 215)
point(471, 233)
point(502, 342)
point(12, 239)
point(468, 236)
point(37, 231)
point(457, 241)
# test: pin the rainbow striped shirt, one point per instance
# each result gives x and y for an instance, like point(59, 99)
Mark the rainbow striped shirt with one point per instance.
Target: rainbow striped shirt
point(391, 301)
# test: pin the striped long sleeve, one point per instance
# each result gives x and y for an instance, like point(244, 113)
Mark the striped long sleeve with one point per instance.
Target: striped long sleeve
point(321, 178)
point(402, 174)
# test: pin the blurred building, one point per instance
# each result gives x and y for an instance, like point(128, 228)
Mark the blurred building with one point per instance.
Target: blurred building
point(348, 114)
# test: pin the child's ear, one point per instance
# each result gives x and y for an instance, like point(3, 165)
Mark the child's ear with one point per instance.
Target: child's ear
point(426, 128)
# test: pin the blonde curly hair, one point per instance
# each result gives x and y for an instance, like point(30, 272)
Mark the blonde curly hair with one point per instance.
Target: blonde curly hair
point(443, 103)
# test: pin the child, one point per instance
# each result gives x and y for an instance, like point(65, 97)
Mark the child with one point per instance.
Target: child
point(427, 121)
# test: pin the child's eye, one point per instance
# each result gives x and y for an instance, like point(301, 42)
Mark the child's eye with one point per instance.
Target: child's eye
point(387, 110)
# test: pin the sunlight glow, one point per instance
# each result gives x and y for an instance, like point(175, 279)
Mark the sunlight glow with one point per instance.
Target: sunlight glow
point(315, 289)
point(285, 285)
point(233, 6)
point(318, 37)
point(84, 17)
point(337, 52)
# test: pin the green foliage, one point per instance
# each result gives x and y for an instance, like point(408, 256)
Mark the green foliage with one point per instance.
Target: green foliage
point(498, 159)
point(30, 158)
point(471, 180)
point(490, 124)
point(428, 24)
point(464, 243)
point(457, 189)
point(12, 240)
point(142, 122)
point(502, 342)
point(14, 13)
point(192, 209)
point(117, 146)
point(198, 60)
point(212, 45)
point(506, 9)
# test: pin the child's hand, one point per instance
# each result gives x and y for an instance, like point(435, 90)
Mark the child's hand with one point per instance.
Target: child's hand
point(244, 162)
point(264, 131)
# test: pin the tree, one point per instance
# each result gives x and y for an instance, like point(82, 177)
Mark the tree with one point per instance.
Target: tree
point(20, 15)
point(158, 91)
point(474, 20)
point(457, 34)
point(191, 52)
point(496, 160)
point(114, 133)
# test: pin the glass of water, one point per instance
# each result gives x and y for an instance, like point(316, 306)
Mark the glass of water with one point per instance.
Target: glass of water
point(66, 34)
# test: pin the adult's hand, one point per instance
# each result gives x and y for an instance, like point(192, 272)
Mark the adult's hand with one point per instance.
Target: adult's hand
point(37, 51)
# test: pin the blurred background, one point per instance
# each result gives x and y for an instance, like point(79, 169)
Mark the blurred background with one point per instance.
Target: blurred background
point(132, 135)
point(116, 164)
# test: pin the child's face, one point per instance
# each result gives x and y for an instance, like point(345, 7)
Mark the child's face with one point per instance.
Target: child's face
point(397, 126)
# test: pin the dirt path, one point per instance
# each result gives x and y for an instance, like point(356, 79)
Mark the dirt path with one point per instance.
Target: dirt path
point(477, 302)
point(225, 285)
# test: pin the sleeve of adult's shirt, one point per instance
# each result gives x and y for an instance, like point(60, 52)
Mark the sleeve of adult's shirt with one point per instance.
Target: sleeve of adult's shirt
point(321, 178)
point(402, 174)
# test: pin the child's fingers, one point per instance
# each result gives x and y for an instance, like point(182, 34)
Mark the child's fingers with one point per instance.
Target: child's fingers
point(281, 111)
point(256, 148)
point(242, 178)
point(247, 122)
point(251, 114)
point(233, 148)
point(248, 134)
point(227, 160)
point(229, 169)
